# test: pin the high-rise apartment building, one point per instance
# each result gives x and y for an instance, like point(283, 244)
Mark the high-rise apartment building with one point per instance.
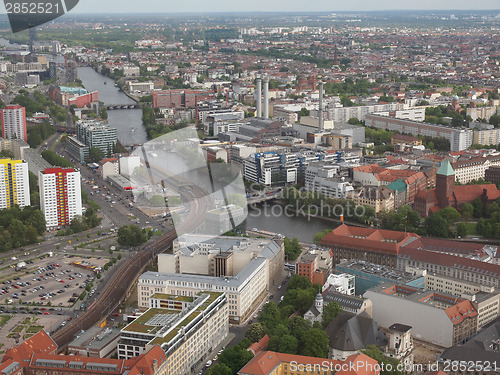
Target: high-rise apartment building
point(13, 119)
point(97, 134)
point(60, 195)
point(14, 183)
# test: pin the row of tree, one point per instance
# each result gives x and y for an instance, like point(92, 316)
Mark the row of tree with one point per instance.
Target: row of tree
point(56, 160)
point(19, 227)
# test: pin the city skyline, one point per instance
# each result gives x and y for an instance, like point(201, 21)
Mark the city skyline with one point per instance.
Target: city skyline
point(95, 6)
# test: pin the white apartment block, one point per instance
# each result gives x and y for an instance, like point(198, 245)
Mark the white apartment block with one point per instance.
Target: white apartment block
point(474, 168)
point(60, 195)
point(187, 329)
point(342, 283)
point(13, 119)
point(14, 184)
point(460, 139)
point(343, 114)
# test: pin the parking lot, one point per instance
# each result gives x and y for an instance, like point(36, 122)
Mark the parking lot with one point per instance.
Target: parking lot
point(55, 281)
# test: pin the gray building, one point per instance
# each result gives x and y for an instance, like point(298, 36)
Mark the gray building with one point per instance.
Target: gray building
point(356, 132)
point(97, 134)
point(77, 149)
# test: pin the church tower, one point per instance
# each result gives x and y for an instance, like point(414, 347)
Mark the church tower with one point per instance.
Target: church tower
point(318, 303)
point(445, 184)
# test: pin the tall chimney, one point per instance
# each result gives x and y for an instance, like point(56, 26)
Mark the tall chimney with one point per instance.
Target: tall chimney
point(259, 97)
point(266, 97)
point(320, 112)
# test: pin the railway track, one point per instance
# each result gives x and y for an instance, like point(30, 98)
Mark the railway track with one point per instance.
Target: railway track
point(116, 289)
point(114, 292)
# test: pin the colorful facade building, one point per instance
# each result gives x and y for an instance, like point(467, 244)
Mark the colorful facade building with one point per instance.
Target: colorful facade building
point(60, 195)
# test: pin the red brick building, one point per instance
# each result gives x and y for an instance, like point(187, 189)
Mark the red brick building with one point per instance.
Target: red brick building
point(180, 98)
point(446, 194)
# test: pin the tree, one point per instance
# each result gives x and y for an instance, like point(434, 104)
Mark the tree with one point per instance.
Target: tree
point(131, 235)
point(235, 358)
point(77, 225)
point(450, 214)
point(436, 226)
point(288, 344)
point(270, 315)
point(462, 230)
point(219, 369)
point(478, 209)
point(330, 311)
point(315, 344)
point(389, 365)
point(318, 237)
point(467, 210)
point(255, 332)
point(95, 154)
point(299, 282)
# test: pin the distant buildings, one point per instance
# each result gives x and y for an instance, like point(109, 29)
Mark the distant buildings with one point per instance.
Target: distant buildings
point(180, 98)
point(14, 184)
point(13, 119)
point(460, 139)
point(60, 195)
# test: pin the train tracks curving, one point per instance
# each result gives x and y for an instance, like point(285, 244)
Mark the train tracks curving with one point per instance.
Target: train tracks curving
point(114, 292)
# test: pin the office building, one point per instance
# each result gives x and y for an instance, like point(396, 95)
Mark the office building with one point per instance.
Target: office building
point(441, 318)
point(96, 342)
point(342, 283)
point(14, 184)
point(97, 134)
point(187, 329)
point(474, 168)
point(492, 174)
point(13, 119)
point(60, 195)
point(474, 354)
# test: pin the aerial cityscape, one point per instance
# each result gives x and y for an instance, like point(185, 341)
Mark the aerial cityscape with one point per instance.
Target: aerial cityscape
point(264, 188)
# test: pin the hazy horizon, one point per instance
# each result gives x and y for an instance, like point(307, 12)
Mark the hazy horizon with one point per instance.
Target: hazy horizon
point(228, 6)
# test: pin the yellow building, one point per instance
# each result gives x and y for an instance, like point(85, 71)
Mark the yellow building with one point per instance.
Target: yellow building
point(14, 184)
point(272, 363)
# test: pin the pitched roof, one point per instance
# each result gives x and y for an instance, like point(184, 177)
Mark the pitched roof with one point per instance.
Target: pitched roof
point(256, 347)
point(374, 240)
point(352, 302)
point(265, 362)
point(445, 169)
point(38, 343)
point(355, 333)
point(448, 260)
point(468, 193)
point(461, 311)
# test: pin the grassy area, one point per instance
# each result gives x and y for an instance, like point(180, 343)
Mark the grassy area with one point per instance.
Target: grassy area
point(34, 329)
point(4, 319)
point(471, 229)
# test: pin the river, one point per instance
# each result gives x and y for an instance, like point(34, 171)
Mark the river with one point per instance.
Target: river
point(128, 122)
point(271, 218)
point(124, 120)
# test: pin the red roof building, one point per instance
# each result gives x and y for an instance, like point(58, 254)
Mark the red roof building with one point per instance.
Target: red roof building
point(267, 363)
point(377, 246)
point(38, 355)
point(446, 194)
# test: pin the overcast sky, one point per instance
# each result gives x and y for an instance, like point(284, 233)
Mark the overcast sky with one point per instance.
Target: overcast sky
point(167, 6)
